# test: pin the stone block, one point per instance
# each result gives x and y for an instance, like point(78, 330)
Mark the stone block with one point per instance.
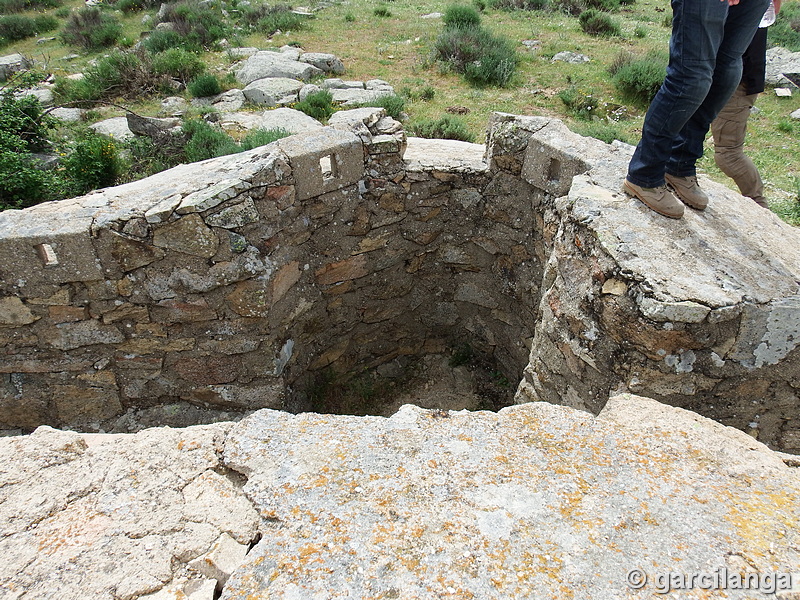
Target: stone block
point(69, 336)
point(84, 404)
point(554, 156)
point(14, 313)
point(120, 253)
point(220, 562)
point(323, 161)
point(274, 91)
point(39, 249)
point(189, 235)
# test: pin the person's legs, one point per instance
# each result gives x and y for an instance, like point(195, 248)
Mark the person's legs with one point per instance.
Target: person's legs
point(740, 27)
point(729, 130)
point(697, 34)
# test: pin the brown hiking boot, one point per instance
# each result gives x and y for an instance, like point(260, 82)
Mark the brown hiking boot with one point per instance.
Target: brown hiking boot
point(688, 190)
point(658, 198)
point(761, 201)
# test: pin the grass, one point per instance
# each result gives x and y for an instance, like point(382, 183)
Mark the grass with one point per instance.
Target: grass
point(398, 48)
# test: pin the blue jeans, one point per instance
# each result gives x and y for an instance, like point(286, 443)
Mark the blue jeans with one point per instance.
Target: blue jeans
point(705, 67)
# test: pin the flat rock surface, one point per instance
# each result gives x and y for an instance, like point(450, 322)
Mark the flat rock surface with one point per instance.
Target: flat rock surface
point(423, 154)
point(112, 516)
point(536, 501)
point(731, 252)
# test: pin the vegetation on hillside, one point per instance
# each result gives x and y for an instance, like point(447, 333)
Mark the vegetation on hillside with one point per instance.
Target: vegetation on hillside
point(481, 56)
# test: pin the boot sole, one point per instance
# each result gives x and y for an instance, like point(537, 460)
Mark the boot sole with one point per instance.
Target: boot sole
point(632, 192)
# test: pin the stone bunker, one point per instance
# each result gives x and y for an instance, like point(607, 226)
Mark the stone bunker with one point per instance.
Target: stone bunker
point(250, 281)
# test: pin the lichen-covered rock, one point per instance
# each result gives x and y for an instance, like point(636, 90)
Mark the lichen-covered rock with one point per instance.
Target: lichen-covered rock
point(536, 501)
point(113, 516)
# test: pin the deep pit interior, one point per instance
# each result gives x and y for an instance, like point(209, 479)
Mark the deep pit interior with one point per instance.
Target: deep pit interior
point(349, 269)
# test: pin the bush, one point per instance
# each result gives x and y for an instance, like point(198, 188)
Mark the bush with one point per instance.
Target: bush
point(21, 183)
point(595, 22)
point(23, 130)
point(15, 27)
point(179, 64)
point(268, 19)
point(93, 163)
point(393, 104)
point(198, 25)
point(579, 102)
point(382, 11)
point(638, 79)
point(161, 41)
point(318, 105)
point(91, 29)
point(446, 128)
point(349, 18)
point(521, 4)
point(14, 6)
point(204, 85)
point(262, 137)
point(459, 16)
point(131, 6)
point(606, 5)
point(786, 30)
point(205, 141)
point(480, 56)
point(46, 23)
point(23, 118)
point(127, 75)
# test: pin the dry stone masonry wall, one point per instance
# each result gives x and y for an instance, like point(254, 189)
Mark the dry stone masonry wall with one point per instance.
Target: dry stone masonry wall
point(225, 286)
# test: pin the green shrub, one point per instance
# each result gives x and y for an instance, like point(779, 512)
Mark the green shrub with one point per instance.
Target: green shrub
point(640, 31)
point(638, 79)
point(318, 105)
point(15, 6)
point(448, 127)
point(45, 23)
point(23, 130)
point(606, 5)
point(480, 5)
point(161, 41)
point(16, 27)
point(459, 16)
point(24, 119)
point(131, 6)
point(595, 22)
point(127, 75)
point(93, 163)
point(521, 4)
point(570, 7)
point(198, 25)
point(349, 18)
point(786, 30)
point(580, 102)
point(205, 141)
point(382, 11)
point(179, 64)
point(393, 104)
point(480, 56)
point(204, 85)
point(92, 29)
point(21, 183)
point(262, 137)
point(268, 19)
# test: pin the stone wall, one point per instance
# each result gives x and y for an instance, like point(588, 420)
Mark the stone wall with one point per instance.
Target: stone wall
point(227, 285)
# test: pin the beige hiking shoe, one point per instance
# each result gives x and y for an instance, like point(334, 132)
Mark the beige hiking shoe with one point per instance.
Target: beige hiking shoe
point(658, 198)
point(688, 191)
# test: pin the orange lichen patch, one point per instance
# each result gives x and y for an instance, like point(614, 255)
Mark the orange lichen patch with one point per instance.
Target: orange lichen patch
point(763, 519)
point(72, 531)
